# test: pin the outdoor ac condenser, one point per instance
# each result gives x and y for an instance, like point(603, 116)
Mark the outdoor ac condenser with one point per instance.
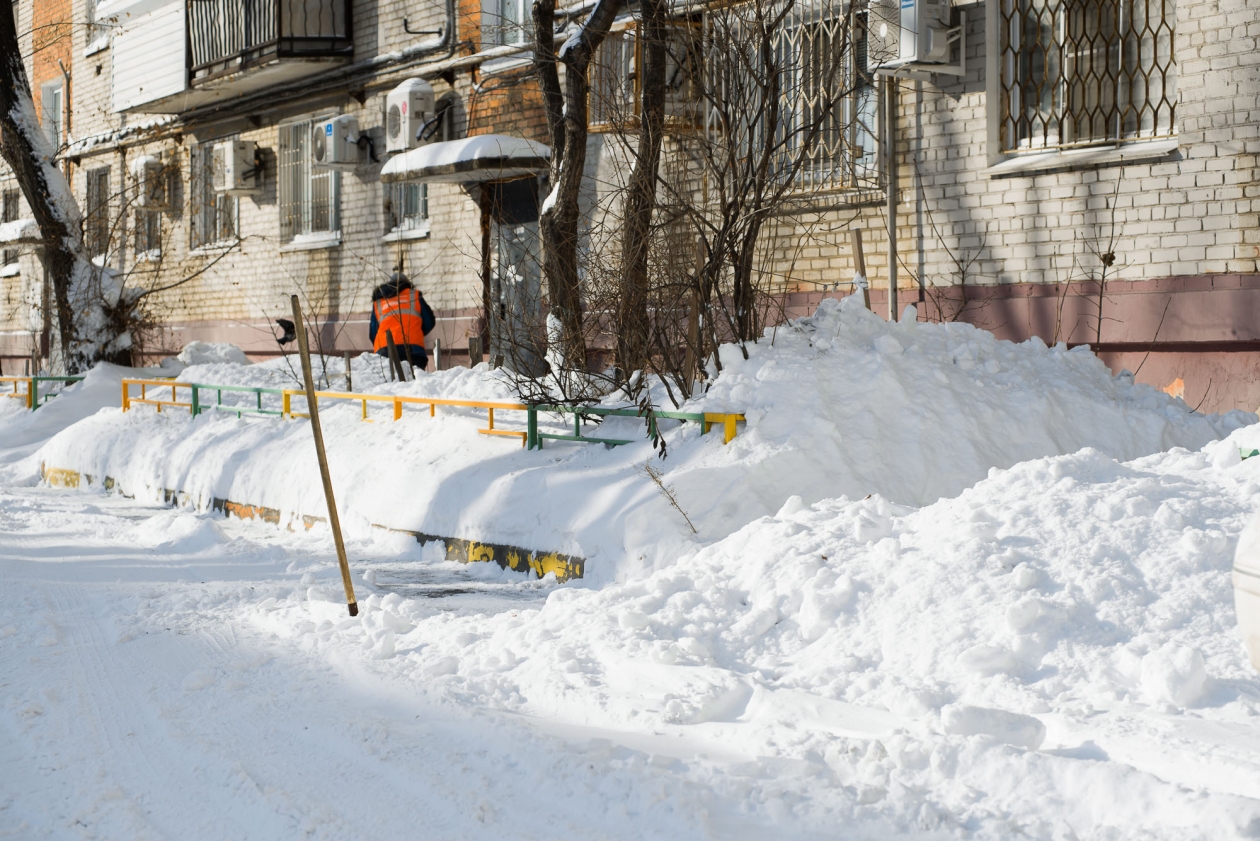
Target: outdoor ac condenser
point(150, 175)
point(908, 32)
point(234, 168)
point(335, 143)
point(407, 108)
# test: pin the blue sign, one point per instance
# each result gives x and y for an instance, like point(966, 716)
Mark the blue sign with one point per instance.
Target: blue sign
point(328, 130)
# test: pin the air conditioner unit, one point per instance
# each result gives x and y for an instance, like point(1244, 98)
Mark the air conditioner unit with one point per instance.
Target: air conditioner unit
point(907, 32)
point(334, 143)
point(234, 166)
point(407, 108)
point(150, 175)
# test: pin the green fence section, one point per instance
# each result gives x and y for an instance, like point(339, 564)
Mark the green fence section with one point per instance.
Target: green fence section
point(534, 438)
point(198, 406)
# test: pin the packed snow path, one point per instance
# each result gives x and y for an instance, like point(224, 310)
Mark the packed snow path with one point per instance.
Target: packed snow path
point(200, 727)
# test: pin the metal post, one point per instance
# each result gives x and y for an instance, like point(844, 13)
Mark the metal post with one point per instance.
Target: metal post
point(33, 393)
point(312, 405)
point(532, 440)
point(196, 402)
point(890, 153)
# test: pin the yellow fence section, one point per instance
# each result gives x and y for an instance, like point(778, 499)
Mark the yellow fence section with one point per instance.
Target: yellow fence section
point(145, 399)
point(531, 436)
point(398, 401)
point(24, 396)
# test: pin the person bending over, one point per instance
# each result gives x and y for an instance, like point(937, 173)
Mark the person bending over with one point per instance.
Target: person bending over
point(399, 310)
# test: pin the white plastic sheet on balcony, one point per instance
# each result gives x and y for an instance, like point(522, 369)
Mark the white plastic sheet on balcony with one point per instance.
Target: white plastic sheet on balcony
point(487, 157)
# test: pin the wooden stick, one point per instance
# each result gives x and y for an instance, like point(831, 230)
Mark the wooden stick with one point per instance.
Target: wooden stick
point(859, 262)
point(395, 364)
point(312, 408)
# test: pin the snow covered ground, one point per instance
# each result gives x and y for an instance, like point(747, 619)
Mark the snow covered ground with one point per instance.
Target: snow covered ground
point(1026, 630)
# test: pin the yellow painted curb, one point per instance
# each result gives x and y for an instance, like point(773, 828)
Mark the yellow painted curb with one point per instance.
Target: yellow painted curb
point(515, 558)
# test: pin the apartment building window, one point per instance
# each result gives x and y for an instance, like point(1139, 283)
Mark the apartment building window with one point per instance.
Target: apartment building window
point(52, 107)
point(1082, 72)
point(616, 85)
point(10, 211)
point(96, 224)
point(504, 22)
point(213, 214)
point(408, 207)
point(308, 196)
point(148, 234)
point(825, 136)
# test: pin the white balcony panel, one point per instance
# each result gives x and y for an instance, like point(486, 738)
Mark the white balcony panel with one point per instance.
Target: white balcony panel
point(148, 55)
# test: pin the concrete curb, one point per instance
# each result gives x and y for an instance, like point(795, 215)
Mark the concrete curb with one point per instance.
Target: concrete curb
point(515, 558)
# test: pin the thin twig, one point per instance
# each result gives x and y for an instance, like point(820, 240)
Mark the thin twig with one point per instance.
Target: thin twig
point(667, 491)
point(1154, 339)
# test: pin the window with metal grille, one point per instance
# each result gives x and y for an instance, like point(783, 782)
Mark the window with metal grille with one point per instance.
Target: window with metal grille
point(825, 136)
point(96, 232)
point(408, 207)
point(10, 212)
point(148, 234)
point(212, 214)
point(308, 196)
point(616, 86)
point(1082, 72)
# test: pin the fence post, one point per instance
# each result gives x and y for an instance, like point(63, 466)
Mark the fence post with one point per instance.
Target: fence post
point(195, 408)
point(531, 428)
point(32, 394)
point(126, 398)
point(284, 404)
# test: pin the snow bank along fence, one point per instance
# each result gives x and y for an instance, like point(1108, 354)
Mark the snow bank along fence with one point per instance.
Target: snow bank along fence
point(31, 395)
point(515, 558)
point(531, 437)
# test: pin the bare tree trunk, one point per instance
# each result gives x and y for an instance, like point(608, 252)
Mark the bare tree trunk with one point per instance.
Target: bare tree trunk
point(632, 309)
point(567, 124)
point(29, 154)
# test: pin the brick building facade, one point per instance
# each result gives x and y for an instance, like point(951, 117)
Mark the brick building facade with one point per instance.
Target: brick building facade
point(1007, 210)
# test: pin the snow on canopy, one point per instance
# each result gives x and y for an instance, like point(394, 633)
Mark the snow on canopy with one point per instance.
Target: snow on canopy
point(485, 157)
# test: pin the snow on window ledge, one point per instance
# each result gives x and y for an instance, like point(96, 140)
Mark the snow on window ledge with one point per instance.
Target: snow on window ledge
point(213, 249)
point(11, 270)
point(1061, 159)
point(420, 231)
point(151, 256)
point(98, 44)
point(312, 242)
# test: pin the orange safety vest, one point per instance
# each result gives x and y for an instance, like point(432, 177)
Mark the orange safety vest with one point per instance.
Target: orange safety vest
point(399, 316)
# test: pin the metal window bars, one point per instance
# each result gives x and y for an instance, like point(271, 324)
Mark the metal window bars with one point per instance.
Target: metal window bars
point(827, 134)
point(1085, 72)
point(308, 196)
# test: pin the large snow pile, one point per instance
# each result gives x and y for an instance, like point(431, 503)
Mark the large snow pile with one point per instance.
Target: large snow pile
point(838, 404)
point(1052, 654)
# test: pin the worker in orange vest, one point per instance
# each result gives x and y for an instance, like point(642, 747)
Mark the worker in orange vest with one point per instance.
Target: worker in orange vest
point(398, 309)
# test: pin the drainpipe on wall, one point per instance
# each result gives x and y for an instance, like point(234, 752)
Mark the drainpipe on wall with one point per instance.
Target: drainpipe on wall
point(890, 151)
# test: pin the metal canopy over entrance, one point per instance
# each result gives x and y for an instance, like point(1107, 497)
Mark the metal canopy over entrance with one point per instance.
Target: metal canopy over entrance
point(487, 157)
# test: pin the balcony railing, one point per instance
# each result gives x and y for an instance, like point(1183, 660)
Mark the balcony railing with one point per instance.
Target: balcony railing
point(230, 35)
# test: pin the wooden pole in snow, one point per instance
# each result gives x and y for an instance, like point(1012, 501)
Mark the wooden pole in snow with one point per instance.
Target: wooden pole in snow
point(312, 408)
point(859, 264)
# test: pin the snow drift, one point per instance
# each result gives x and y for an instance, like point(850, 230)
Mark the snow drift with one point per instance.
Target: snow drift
point(838, 404)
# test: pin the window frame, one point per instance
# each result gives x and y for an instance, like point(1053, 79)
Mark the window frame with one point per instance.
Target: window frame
point(208, 209)
point(295, 168)
point(53, 119)
point(496, 26)
point(97, 231)
point(10, 211)
point(1060, 147)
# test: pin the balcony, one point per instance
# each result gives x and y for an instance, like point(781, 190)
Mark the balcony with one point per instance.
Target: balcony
point(226, 38)
point(174, 55)
point(250, 44)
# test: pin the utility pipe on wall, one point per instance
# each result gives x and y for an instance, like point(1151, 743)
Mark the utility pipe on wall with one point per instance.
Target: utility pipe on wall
point(890, 169)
